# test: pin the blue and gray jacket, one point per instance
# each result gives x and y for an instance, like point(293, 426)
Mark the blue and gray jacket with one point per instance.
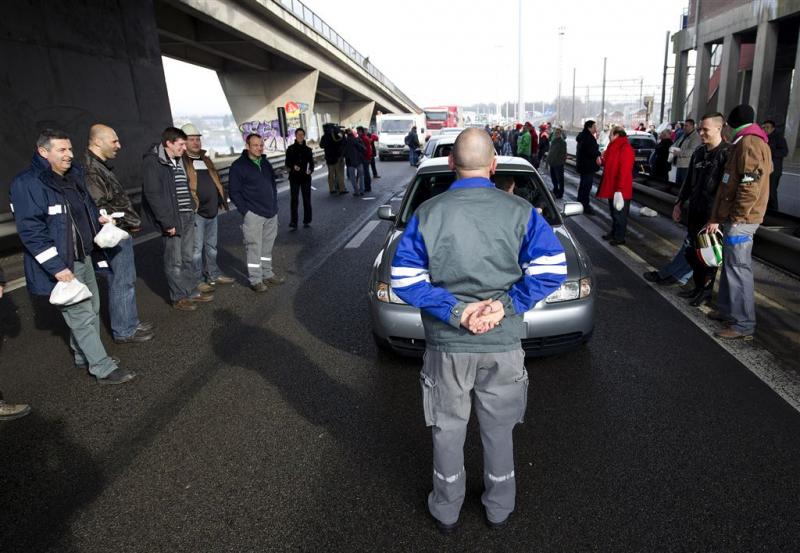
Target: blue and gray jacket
point(471, 243)
point(45, 224)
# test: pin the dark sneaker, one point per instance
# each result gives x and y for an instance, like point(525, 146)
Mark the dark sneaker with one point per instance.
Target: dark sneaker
point(85, 366)
point(306, 225)
point(731, 334)
point(205, 288)
point(145, 326)
point(224, 280)
point(259, 287)
point(135, 338)
point(274, 280)
point(184, 305)
point(202, 298)
point(293, 226)
point(617, 242)
point(341, 192)
point(608, 236)
point(11, 411)
point(497, 525)
point(117, 376)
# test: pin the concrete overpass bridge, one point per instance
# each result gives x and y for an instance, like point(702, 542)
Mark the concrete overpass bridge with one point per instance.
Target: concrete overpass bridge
point(69, 65)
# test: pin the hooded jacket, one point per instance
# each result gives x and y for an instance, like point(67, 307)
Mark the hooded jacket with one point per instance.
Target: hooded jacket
point(617, 169)
point(108, 193)
point(159, 197)
point(252, 187)
point(45, 224)
point(743, 194)
point(586, 153)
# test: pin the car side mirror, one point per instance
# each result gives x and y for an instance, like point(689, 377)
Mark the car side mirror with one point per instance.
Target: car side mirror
point(385, 212)
point(572, 208)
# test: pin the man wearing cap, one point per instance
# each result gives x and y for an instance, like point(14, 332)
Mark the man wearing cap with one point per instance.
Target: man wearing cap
point(209, 197)
point(739, 208)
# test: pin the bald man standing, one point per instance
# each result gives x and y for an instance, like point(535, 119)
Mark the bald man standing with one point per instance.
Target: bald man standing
point(469, 259)
point(109, 194)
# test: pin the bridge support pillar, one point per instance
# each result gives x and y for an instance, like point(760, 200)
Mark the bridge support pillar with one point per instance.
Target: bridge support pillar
point(354, 114)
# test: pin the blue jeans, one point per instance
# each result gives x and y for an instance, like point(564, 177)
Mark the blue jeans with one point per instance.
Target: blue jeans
point(178, 267)
point(356, 178)
point(678, 268)
point(412, 156)
point(122, 290)
point(205, 249)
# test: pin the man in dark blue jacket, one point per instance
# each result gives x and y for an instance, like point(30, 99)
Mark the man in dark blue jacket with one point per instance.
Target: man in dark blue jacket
point(56, 222)
point(587, 162)
point(251, 185)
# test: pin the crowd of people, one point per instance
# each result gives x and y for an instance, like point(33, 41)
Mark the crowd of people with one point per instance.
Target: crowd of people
point(353, 151)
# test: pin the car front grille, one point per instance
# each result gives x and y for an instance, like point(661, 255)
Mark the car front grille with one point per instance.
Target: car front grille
point(532, 346)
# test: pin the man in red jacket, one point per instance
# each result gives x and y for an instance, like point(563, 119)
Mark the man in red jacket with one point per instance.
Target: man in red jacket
point(617, 177)
point(365, 138)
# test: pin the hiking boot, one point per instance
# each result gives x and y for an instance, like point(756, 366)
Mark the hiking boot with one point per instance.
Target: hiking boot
point(11, 411)
point(184, 304)
point(224, 280)
point(85, 366)
point(731, 334)
point(145, 326)
point(259, 287)
point(135, 338)
point(117, 376)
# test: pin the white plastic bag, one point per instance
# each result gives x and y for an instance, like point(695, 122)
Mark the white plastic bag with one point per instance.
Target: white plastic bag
point(619, 201)
point(645, 211)
point(110, 235)
point(68, 293)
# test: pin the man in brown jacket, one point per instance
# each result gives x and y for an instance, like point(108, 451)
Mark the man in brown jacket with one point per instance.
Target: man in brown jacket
point(209, 197)
point(739, 208)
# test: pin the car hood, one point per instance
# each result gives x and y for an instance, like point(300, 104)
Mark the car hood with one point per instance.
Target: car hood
point(578, 265)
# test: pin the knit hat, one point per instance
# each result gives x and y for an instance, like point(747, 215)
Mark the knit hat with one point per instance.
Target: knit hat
point(519, 126)
point(741, 115)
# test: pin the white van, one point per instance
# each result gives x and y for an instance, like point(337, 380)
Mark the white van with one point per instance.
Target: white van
point(392, 131)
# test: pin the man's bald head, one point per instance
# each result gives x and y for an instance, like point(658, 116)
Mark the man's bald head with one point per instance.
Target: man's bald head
point(103, 141)
point(473, 153)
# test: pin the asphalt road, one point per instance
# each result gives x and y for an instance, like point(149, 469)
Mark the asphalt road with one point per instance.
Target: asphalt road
point(271, 423)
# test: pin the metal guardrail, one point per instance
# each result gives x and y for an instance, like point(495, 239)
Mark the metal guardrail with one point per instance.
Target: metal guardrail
point(774, 245)
point(313, 21)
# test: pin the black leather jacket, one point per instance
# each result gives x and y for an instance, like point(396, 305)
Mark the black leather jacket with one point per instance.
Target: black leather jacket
point(108, 193)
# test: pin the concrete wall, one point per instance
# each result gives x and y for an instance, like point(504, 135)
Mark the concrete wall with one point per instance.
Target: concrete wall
point(71, 64)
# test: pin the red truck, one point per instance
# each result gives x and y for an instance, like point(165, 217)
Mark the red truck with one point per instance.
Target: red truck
point(440, 117)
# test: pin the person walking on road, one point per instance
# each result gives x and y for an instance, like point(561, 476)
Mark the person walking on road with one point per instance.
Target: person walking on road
point(170, 206)
point(412, 141)
point(209, 196)
point(618, 162)
point(739, 208)
point(251, 183)
point(467, 274)
point(354, 155)
point(109, 194)
point(556, 160)
point(300, 165)
point(779, 150)
point(333, 144)
point(706, 170)
point(368, 153)
point(683, 150)
point(10, 411)
point(587, 162)
point(57, 221)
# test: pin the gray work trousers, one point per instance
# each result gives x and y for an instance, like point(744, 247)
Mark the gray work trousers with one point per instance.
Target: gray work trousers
point(499, 384)
point(83, 320)
point(736, 298)
point(259, 237)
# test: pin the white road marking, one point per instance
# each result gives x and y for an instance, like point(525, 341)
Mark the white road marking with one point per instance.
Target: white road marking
point(362, 235)
point(368, 198)
point(756, 359)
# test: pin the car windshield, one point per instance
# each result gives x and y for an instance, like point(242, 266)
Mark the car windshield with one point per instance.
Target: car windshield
point(526, 185)
point(436, 115)
point(429, 146)
point(641, 143)
point(396, 125)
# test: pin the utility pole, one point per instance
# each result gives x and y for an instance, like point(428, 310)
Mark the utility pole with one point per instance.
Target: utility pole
point(664, 79)
point(560, 59)
point(572, 116)
point(520, 106)
point(603, 98)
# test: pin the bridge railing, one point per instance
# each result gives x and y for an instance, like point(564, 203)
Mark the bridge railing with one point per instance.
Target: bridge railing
point(312, 20)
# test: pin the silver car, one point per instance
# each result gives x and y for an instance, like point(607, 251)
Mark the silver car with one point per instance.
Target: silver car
point(562, 321)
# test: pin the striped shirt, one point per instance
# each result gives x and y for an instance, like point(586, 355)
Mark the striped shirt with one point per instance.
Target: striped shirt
point(185, 201)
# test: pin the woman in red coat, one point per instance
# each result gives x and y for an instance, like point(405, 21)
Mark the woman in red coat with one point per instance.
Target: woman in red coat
point(617, 177)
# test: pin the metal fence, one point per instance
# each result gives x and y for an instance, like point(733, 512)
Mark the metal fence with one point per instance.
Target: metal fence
point(313, 21)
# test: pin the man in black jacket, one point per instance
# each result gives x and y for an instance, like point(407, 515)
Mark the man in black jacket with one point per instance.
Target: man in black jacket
point(333, 144)
point(779, 149)
point(168, 203)
point(587, 162)
point(10, 411)
point(300, 165)
point(109, 194)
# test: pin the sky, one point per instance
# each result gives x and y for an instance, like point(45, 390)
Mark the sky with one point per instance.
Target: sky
point(465, 52)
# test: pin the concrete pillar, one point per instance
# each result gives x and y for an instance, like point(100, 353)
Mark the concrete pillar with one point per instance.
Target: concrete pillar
point(701, 76)
point(727, 96)
point(256, 95)
point(329, 109)
point(679, 85)
point(763, 68)
point(792, 132)
point(357, 113)
point(70, 68)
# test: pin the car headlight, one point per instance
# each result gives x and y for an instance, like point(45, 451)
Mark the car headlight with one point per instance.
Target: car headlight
point(384, 293)
point(571, 290)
